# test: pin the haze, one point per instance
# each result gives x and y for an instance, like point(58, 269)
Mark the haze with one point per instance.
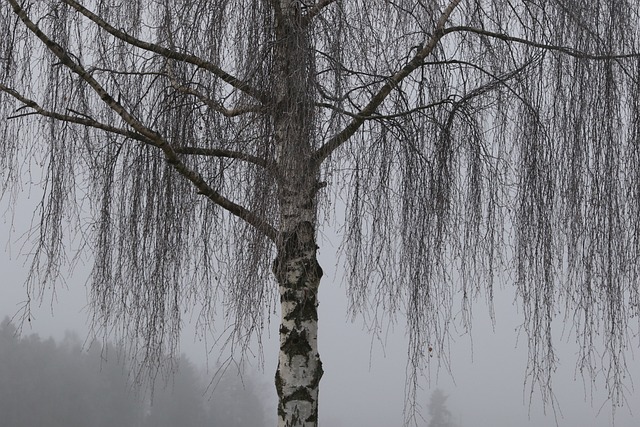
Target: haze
point(364, 378)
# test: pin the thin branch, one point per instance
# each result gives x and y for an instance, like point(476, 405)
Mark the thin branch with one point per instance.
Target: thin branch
point(172, 54)
point(337, 140)
point(93, 70)
point(66, 60)
point(448, 100)
point(214, 105)
point(84, 121)
point(487, 87)
point(152, 137)
point(230, 154)
point(562, 49)
point(346, 96)
point(315, 10)
point(497, 80)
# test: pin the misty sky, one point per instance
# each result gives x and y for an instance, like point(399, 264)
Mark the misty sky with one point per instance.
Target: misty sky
point(363, 384)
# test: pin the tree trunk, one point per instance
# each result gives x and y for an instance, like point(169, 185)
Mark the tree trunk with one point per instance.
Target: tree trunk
point(296, 267)
point(299, 366)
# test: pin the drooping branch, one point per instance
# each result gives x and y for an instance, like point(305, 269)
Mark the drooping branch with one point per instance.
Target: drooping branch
point(84, 120)
point(496, 81)
point(417, 61)
point(337, 140)
point(550, 47)
point(90, 122)
point(171, 54)
point(151, 137)
point(67, 61)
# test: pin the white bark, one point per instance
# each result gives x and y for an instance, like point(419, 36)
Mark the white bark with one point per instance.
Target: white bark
point(299, 366)
point(296, 268)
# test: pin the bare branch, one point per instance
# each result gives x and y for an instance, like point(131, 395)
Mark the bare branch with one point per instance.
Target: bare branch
point(215, 152)
point(386, 116)
point(66, 59)
point(85, 121)
point(495, 82)
point(562, 49)
point(88, 121)
point(153, 138)
point(214, 105)
point(168, 53)
point(325, 150)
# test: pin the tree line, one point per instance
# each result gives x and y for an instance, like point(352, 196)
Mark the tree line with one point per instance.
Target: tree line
point(70, 384)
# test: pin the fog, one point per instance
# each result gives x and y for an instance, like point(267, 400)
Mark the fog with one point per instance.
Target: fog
point(67, 384)
point(364, 380)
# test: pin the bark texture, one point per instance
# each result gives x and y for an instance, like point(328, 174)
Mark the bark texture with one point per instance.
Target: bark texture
point(296, 268)
point(299, 366)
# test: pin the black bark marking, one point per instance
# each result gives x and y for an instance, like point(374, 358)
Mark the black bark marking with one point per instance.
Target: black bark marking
point(296, 344)
point(279, 382)
point(313, 418)
point(303, 312)
point(289, 295)
point(284, 330)
point(298, 246)
point(317, 375)
point(315, 269)
point(301, 393)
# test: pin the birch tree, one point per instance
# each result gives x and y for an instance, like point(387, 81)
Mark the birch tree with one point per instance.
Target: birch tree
point(196, 148)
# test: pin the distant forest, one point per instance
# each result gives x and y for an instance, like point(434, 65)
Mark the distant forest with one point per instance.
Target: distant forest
point(66, 384)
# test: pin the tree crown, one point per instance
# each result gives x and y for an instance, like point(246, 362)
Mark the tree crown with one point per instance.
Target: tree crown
point(462, 138)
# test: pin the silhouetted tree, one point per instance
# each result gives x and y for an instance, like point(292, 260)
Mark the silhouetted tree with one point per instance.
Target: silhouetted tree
point(438, 412)
point(209, 140)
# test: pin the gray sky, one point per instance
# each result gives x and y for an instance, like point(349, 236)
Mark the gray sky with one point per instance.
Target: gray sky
point(363, 384)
